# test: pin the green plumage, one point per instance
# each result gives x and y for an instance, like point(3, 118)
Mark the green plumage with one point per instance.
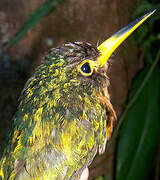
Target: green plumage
point(60, 123)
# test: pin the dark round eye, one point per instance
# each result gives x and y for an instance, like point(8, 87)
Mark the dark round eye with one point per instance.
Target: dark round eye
point(86, 68)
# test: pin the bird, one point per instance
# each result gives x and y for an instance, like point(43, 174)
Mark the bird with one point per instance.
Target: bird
point(65, 116)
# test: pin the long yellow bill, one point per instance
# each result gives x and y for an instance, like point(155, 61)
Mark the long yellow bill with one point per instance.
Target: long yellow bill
point(108, 46)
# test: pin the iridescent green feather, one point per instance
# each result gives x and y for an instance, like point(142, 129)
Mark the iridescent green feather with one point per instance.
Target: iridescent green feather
point(60, 123)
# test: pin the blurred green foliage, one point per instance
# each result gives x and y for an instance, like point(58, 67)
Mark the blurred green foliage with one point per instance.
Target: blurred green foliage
point(41, 11)
point(138, 141)
point(149, 33)
point(105, 177)
point(137, 145)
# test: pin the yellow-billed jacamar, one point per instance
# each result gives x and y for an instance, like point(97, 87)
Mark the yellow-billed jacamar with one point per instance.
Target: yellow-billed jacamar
point(65, 116)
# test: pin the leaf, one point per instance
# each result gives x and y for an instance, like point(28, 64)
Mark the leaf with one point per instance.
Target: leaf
point(34, 18)
point(139, 135)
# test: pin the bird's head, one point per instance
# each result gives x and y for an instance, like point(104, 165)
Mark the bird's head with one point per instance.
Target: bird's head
point(76, 67)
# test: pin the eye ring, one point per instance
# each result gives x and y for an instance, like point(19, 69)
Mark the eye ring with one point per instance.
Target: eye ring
point(86, 67)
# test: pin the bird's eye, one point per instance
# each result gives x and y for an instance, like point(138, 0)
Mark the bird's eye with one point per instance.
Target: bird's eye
point(86, 67)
